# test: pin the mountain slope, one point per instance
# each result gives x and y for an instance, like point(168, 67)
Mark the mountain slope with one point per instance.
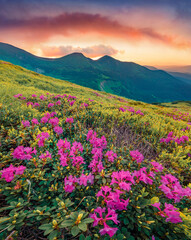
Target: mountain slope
point(107, 74)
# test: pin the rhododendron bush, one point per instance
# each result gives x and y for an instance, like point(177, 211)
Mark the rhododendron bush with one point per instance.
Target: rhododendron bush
point(70, 182)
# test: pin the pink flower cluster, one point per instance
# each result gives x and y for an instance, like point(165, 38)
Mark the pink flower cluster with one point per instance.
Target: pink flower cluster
point(50, 105)
point(35, 121)
point(98, 145)
point(144, 176)
point(26, 123)
point(172, 138)
point(70, 154)
point(179, 115)
point(71, 181)
point(45, 155)
point(69, 120)
point(170, 212)
point(100, 219)
point(157, 167)
point(42, 137)
point(42, 97)
point(18, 95)
point(23, 153)
point(172, 188)
point(54, 121)
point(84, 105)
point(113, 198)
point(136, 155)
point(10, 172)
point(123, 180)
point(131, 109)
point(111, 156)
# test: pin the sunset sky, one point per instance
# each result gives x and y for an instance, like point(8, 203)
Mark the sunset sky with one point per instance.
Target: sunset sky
point(148, 32)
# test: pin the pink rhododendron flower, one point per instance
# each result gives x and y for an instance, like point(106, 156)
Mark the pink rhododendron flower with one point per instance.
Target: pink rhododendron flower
point(85, 179)
point(53, 114)
point(54, 121)
point(91, 134)
point(139, 113)
point(69, 183)
point(122, 109)
point(84, 105)
point(23, 153)
point(69, 120)
point(76, 148)
point(143, 176)
point(29, 103)
point(172, 188)
point(72, 103)
point(42, 137)
point(77, 161)
point(136, 155)
point(111, 155)
point(44, 120)
point(157, 167)
point(36, 104)
point(34, 95)
point(64, 159)
point(58, 102)
point(26, 123)
point(107, 229)
point(47, 115)
point(42, 97)
point(170, 213)
point(171, 138)
point(10, 172)
point(63, 144)
point(35, 121)
point(101, 220)
point(18, 95)
point(58, 130)
point(96, 166)
point(50, 105)
point(45, 155)
point(97, 153)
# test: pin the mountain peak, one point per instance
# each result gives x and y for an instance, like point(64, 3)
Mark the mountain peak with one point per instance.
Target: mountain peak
point(75, 54)
point(107, 57)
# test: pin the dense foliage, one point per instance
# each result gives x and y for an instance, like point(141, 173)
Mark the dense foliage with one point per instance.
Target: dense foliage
point(62, 177)
point(89, 165)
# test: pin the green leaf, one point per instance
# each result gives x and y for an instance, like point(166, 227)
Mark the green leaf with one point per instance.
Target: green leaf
point(88, 220)
point(88, 238)
point(11, 228)
point(74, 215)
point(67, 223)
point(82, 226)
point(131, 238)
point(75, 230)
point(154, 200)
point(53, 235)
point(120, 237)
point(46, 226)
point(104, 181)
point(4, 219)
point(48, 231)
point(82, 237)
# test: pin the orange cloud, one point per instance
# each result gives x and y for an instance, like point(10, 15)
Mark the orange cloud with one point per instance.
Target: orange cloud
point(93, 51)
point(40, 29)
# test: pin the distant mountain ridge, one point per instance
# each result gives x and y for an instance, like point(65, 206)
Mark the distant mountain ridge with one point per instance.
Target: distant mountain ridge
point(126, 79)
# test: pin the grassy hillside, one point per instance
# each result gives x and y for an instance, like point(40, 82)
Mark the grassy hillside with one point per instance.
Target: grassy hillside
point(107, 74)
point(62, 168)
